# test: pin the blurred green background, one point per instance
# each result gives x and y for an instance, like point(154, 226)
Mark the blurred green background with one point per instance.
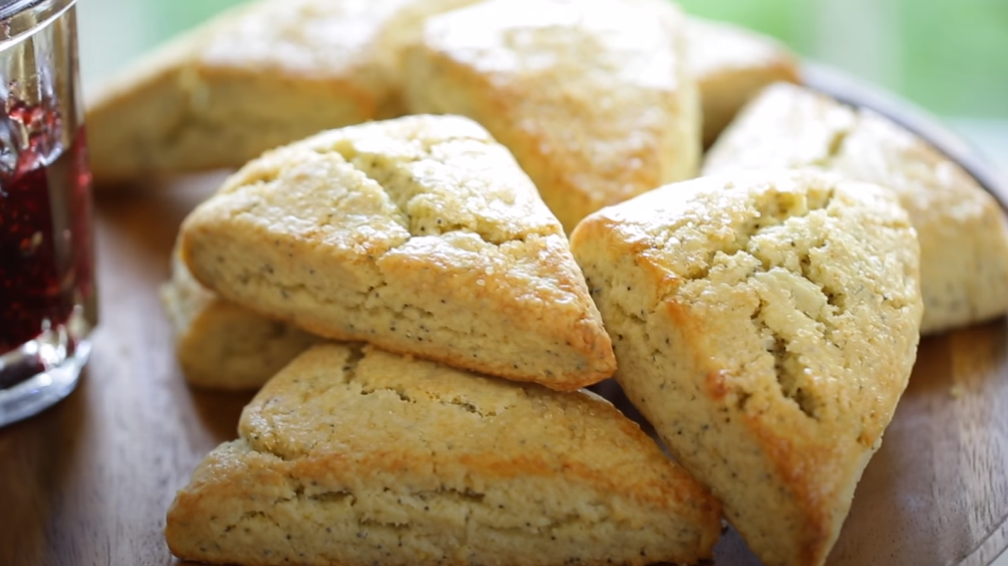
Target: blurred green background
point(949, 56)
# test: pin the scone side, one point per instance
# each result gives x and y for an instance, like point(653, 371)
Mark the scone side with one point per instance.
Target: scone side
point(299, 511)
point(220, 345)
point(228, 347)
point(585, 351)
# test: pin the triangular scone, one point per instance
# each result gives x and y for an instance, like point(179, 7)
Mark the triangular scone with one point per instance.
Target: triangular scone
point(593, 97)
point(357, 457)
point(220, 345)
point(253, 78)
point(731, 65)
point(766, 323)
point(961, 228)
point(419, 234)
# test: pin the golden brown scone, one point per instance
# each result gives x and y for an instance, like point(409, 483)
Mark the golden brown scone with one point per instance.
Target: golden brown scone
point(593, 97)
point(421, 235)
point(357, 457)
point(961, 228)
point(256, 77)
point(731, 65)
point(220, 345)
point(766, 323)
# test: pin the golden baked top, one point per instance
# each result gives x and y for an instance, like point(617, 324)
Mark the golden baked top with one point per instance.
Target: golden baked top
point(421, 235)
point(961, 228)
point(795, 283)
point(376, 412)
point(495, 37)
point(591, 96)
point(310, 37)
point(766, 322)
point(419, 176)
point(356, 456)
point(315, 40)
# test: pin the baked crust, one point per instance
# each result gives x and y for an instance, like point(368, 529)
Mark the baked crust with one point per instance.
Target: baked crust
point(220, 345)
point(961, 228)
point(253, 78)
point(766, 323)
point(593, 97)
point(355, 456)
point(421, 235)
point(732, 65)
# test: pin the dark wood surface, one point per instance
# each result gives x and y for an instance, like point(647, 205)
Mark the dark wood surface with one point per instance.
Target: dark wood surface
point(88, 481)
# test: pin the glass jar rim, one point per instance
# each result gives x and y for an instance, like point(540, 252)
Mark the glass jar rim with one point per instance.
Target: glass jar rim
point(21, 17)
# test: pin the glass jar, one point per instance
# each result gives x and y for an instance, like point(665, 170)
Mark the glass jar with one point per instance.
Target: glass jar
point(47, 293)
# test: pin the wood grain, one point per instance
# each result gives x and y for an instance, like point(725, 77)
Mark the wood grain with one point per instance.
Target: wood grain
point(89, 481)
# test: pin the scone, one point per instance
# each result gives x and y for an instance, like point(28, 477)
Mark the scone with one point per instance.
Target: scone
point(593, 97)
point(421, 235)
point(961, 228)
point(732, 65)
point(256, 77)
point(357, 457)
point(220, 345)
point(766, 323)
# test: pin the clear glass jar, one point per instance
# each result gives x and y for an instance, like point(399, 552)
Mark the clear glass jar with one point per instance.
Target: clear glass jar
point(47, 293)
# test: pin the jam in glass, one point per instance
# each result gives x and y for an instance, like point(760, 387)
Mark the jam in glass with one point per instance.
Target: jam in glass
point(46, 260)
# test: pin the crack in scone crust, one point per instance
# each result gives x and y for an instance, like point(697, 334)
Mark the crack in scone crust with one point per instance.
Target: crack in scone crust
point(810, 278)
point(786, 254)
point(391, 232)
point(766, 324)
point(416, 176)
point(353, 455)
point(961, 228)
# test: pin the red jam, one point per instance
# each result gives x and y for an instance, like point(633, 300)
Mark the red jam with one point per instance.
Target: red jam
point(45, 232)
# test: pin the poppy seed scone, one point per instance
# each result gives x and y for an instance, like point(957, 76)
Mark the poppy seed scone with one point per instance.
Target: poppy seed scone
point(766, 324)
point(353, 456)
point(220, 345)
point(961, 228)
point(593, 97)
point(257, 76)
point(731, 65)
point(420, 235)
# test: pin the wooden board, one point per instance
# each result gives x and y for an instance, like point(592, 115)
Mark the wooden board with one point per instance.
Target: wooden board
point(89, 481)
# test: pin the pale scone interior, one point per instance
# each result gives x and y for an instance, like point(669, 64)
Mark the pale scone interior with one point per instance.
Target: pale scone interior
point(766, 324)
point(356, 456)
